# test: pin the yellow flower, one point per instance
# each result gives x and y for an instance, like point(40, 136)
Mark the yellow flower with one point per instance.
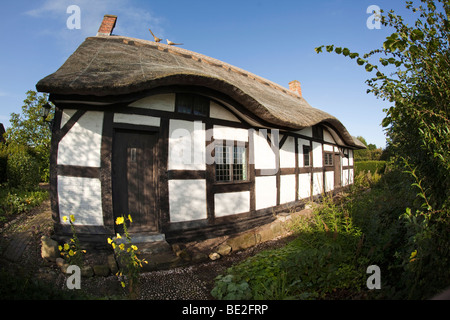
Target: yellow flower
point(64, 218)
point(72, 218)
point(134, 247)
point(113, 245)
point(123, 284)
point(118, 236)
point(109, 240)
point(71, 253)
point(121, 246)
point(129, 218)
point(119, 220)
point(66, 246)
point(60, 248)
point(413, 254)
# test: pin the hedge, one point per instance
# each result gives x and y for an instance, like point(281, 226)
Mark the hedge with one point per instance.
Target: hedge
point(371, 166)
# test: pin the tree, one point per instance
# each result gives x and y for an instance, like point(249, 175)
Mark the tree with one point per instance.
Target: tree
point(29, 130)
point(417, 124)
point(414, 75)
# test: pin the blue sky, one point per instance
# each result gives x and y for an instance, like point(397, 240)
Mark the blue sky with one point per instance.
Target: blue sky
point(273, 39)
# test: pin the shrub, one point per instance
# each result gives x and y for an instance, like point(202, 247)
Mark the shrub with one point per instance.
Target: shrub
point(3, 162)
point(321, 261)
point(22, 169)
point(372, 166)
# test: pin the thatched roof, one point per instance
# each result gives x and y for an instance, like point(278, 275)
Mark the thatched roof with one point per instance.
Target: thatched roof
point(116, 65)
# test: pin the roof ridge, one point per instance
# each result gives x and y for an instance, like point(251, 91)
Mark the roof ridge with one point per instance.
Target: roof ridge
point(199, 57)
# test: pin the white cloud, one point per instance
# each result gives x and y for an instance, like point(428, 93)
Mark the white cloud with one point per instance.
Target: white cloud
point(132, 21)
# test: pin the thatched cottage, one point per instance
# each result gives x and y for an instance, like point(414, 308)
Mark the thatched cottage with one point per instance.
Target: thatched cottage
point(188, 145)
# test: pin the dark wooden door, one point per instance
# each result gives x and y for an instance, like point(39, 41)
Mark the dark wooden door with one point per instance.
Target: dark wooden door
point(134, 179)
point(337, 171)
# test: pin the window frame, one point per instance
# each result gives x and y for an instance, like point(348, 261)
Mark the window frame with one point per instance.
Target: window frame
point(231, 166)
point(308, 154)
point(328, 162)
point(192, 101)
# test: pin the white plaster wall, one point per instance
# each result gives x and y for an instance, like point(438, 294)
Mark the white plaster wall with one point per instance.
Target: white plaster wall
point(287, 153)
point(344, 161)
point(327, 136)
point(304, 185)
point(317, 154)
point(327, 147)
point(136, 119)
point(266, 192)
point(329, 181)
point(264, 156)
point(317, 183)
point(218, 112)
point(66, 115)
point(350, 157)
point(187, 200)
point(287, 190)
point(350, 176)
point(229, 133)
point(301, 143)
point(231, 203)
point(306, 132)
point(163, 102)
point(82, 144)
point(186, 145)
point(345, 177)
point(81, 197)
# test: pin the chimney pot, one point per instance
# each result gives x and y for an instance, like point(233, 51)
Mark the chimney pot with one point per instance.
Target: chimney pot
point(107, 26)
point(295, 87)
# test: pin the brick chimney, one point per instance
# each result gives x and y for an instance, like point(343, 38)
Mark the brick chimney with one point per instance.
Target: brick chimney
point(107, 26)
point(295, 87)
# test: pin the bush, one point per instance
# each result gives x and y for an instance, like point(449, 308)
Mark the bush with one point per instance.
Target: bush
point(372, 166)
point(3, 162)
point(22, 169)
point(322, 262)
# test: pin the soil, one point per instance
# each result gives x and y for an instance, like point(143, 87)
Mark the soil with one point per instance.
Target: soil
point(193, 282)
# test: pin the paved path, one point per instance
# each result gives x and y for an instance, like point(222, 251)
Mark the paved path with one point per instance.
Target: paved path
point(20, 239)
point(17, 246)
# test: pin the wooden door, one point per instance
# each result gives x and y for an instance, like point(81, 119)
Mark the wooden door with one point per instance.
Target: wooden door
point(337, 170)
point(134, 179)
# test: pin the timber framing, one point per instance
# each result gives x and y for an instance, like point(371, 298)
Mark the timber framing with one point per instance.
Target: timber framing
point(211, 225)
point(125, 124)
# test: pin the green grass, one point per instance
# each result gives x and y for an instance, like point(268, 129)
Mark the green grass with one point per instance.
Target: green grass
point(333, 248)
point(15, 201)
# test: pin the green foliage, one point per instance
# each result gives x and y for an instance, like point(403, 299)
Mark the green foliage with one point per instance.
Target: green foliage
point(22, 168)
point(15, 201)
point(72, 251)
point(228, 289)
point(334, 246)
point(3, 162)
point(372, 166)
point(24, 287)
point(418, 128)
point(127, 254)
point(319, 262)
point(29, 131)
point(418, 124)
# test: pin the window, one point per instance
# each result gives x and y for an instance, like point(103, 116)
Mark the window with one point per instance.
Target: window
point(306, 156)
point(192, 104)
point(231, 163)
point(317, 132)
point(328, 159)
